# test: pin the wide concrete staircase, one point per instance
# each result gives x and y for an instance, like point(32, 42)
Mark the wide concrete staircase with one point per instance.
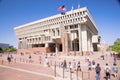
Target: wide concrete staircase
point(66, 75)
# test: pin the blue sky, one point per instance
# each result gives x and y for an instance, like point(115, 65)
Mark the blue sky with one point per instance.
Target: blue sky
point(106, 14)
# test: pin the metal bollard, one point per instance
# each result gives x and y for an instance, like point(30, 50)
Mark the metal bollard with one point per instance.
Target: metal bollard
point(2, 61)
point(15, 60)
point(20, 59)
point(51, 62)
point(70, 74)
point(82, 75)
point(23, 60)
point(89, 75)
point(63, 72)
point(55, 69)
point(77, 73)
point(26, 61)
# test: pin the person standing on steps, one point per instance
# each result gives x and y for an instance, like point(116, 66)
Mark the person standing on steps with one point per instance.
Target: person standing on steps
point(115, 70)
point(107, 72)
point(98, 70)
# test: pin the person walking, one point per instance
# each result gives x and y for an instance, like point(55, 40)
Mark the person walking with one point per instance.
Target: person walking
point(9, 59)
point(78, 66)
point(69, 66)
point(64, 64)
point(89, 65)
point(40, 59)
point(30, 61)
point(93, 64)
point(115, 59)
point(98, 70)
point(115, 70)
point(107, 72)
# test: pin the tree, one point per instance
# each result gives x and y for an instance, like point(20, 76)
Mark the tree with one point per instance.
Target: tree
point(0, 49)
point(116, 46)
point(8, 49)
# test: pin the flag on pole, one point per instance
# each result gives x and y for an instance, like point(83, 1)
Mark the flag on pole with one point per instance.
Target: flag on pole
point(72, 8)
point(62, 9)
point(78, 6)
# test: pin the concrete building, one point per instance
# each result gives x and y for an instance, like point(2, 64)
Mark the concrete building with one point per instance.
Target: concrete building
point(4, 45)
point(75, 31)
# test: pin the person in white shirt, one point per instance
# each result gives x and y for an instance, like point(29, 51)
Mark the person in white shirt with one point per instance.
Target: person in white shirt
point(107, 71)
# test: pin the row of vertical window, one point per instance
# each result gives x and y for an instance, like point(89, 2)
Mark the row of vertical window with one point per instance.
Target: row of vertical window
point(46, 38)
point(58, 20)
point(48, 23)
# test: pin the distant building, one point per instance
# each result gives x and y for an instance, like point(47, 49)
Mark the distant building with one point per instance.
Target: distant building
point(103, 46)
point(4, 45)
point(75, 31)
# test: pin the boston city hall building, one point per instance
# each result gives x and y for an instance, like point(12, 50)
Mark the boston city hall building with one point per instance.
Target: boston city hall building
point(72, 33)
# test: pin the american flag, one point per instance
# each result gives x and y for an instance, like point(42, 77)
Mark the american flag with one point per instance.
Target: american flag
point(62, 8)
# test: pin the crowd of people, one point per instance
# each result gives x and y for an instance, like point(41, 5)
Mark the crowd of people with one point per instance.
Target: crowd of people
point(108, 70)
point(75, 65)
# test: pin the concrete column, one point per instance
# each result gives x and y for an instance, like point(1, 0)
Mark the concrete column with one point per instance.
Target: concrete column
point(55, 32)
point(19, 45)
point(25, 43)
point(80, 37)
point(66, 43)
point(56, 47)
point(30, 45)
point(71, 41)
point(84, 39)
point(91, 45)
point(63, 43)
point(88, 43)
point(46, 45)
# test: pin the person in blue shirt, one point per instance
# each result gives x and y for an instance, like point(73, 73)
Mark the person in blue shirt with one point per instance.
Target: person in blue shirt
point(115, 70)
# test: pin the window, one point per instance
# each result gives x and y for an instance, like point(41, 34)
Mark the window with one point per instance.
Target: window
point(66, 27)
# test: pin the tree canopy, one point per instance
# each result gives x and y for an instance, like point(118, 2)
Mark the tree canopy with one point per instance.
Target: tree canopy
point(116, 46)
point(7, 49)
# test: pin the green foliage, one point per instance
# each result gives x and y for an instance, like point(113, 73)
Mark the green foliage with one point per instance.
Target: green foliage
point(116, 46)
point(8, 49)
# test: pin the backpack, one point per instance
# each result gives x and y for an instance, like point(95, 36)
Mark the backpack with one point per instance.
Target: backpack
point(115, 69)
point(107, 70)
point(98, 69)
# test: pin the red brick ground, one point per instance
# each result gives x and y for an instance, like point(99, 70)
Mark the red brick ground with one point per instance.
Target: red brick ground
point(8, 74)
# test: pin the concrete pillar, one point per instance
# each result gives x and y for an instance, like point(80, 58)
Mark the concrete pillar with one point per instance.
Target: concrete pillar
point(24, 43)
point(80, 37)
point(88, 43)
point(46, 45)
point(56, 47)
point(66, 42)
point(19, 45)
point(91, 45)
point(29, 46)
point(71, 45)
point(63, 44)
point(55, 32)
point(84, 39)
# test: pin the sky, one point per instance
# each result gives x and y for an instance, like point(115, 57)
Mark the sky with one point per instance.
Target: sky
point(13, 13)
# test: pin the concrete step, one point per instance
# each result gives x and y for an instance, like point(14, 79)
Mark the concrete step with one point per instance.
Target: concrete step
point(67, 75)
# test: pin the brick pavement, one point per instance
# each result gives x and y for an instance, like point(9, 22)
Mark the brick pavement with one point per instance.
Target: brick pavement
point(40, 68)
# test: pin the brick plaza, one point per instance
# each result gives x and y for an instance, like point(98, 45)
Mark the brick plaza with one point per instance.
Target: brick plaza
point(22, 69)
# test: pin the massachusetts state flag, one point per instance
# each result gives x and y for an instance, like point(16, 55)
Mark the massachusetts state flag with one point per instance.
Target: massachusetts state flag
point(62, 8)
